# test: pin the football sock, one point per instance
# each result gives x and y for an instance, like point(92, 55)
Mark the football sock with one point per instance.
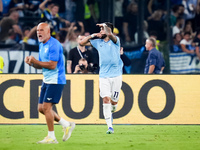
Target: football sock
point(107, 114)
point(113, 108)
point(51, 134)
point(64, 122)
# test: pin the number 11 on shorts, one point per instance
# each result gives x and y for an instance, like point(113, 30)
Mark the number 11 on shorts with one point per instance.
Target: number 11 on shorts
point(116, 94)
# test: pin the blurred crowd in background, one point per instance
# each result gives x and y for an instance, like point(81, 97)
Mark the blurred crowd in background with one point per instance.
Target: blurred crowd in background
point(70, 18)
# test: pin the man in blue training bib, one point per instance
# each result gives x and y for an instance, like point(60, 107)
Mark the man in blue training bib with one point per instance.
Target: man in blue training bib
point(110, 74)
point(52, 64)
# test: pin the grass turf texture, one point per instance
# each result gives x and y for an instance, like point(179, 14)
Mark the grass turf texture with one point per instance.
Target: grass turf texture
point(94, 137)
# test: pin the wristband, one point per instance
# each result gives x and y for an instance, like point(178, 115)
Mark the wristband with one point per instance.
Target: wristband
point(92, 35)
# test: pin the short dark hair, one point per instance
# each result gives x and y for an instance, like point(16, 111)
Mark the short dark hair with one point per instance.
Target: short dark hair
point(50, 2)
point(56, 4)
point(175, 8)
point(181, 5)
point(83, 59)
point(179, 18)
point(187, 33)
point(174, 37)
point(110, 25)
point(26, 28)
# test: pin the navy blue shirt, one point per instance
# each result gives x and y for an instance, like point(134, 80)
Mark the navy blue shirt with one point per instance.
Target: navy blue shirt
point(154, 58)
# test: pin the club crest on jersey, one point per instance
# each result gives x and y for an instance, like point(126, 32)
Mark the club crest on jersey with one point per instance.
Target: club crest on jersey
point(45, 49)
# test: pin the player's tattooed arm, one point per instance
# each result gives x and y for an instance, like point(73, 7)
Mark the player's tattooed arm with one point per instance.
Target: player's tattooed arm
point(85, 41)
point(69, 64)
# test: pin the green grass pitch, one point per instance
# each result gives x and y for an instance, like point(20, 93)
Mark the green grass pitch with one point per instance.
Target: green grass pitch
point(94, 137)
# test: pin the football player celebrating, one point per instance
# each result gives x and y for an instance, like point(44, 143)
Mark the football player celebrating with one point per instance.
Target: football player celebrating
point(110, 74)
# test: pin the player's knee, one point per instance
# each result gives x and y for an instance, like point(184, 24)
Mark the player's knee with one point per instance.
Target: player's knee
point(46, 108)
point(40, 109)
point(106, 100)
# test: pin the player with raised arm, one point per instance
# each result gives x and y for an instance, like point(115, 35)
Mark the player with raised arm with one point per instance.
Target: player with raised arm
point(52, 64)
point(110, 74)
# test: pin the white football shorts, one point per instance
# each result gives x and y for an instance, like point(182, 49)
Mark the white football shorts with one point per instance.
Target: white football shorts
point(110, 87)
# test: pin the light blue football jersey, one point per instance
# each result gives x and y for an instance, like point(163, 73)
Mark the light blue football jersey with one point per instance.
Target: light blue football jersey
point(53, 50)
point(110, 62)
